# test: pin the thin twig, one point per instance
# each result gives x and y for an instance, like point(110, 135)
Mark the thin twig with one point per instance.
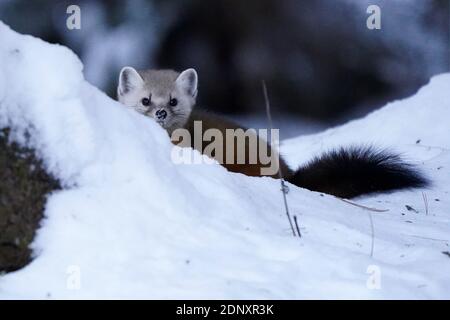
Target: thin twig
point(430, 147)
point(425, 200)
point(372, 231)
point(280, 174)
point(372, 228)
point(361, 206)
point(297, 227)
point(425, 238)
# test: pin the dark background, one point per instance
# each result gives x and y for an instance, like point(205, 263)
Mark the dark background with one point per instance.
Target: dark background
point(320, 61)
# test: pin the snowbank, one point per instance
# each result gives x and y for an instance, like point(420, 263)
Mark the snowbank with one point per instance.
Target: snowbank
point(131, 224)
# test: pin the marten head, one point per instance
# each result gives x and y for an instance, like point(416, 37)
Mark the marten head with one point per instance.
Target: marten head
point(165, 95)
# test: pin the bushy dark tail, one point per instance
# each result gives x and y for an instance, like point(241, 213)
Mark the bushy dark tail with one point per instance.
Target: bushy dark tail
point(350, 172)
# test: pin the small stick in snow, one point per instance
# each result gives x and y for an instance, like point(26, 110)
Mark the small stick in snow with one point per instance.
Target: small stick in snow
point(361, 206)
point(372, 228)
point(296, 226)
point(425, 200)
point(372, 231)
point(425, 238)
point(409, 208)
point(284, 188)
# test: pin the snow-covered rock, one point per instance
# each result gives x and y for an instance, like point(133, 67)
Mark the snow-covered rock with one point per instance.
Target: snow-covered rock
point(132, 224)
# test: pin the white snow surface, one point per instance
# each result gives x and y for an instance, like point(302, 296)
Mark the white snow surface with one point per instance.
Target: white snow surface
point(130, 223)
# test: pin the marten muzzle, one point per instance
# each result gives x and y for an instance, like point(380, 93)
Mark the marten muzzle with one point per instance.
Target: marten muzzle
point(161, 114)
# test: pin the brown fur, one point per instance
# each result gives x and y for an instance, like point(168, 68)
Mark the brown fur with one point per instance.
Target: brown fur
point(212, 121)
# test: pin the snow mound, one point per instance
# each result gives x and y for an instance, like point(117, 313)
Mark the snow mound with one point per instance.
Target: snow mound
point(132, 224)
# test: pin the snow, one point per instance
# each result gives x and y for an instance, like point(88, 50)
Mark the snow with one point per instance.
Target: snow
point(130, 223)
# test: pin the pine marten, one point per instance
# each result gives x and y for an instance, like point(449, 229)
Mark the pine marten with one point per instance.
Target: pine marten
point(169, 97)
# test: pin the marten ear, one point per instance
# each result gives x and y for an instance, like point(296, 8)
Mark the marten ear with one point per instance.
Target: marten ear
point(187, 81)
point(129, 80)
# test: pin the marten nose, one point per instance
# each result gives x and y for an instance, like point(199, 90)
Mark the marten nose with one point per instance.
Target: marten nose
point(161, 114)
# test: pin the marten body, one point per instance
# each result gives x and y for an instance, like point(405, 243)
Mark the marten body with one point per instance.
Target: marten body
point(209, 121)
point(169, 97)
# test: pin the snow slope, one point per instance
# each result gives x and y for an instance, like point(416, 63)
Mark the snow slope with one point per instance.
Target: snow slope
point(132, 224)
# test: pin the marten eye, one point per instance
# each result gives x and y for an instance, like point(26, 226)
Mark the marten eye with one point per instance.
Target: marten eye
point(173, 102)
point(145, 101)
